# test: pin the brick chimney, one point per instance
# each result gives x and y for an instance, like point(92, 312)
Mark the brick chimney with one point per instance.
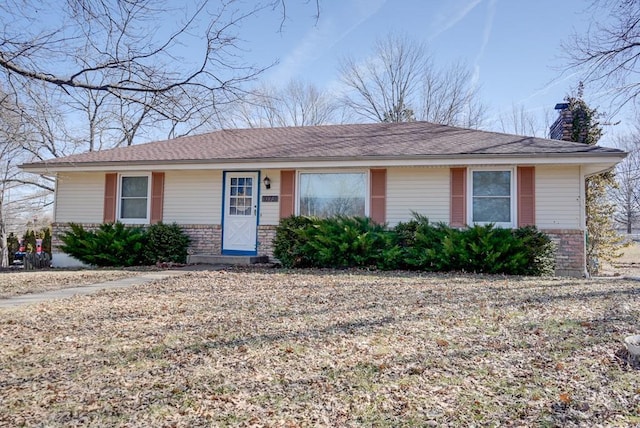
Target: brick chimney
point(563, 126)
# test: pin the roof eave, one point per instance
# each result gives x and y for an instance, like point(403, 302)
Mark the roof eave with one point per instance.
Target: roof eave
point(414, 160)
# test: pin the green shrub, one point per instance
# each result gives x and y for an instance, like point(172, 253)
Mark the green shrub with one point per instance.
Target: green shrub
point(13, 245)
point(487, 249)
point(539, 251)
point(45, 233)
point(341, 242)
point(479, 249)
point(416, 245)
point(429, 247)
point(112, 244)
point(165, 243)
point(288, 243)
point(29, 239)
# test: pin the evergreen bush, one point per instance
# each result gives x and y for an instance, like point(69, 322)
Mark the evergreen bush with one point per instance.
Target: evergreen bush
point(112, 244)
point(341, 242)
point(165, 243)
point(288, 243)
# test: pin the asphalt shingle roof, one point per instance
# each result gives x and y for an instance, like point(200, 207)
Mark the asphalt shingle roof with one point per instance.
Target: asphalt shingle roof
point(376, 140)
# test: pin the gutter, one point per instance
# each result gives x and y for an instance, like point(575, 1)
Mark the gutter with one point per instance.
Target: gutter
point(335, 161)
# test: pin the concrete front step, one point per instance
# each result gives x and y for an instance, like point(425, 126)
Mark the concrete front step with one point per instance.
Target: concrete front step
point(212, 259)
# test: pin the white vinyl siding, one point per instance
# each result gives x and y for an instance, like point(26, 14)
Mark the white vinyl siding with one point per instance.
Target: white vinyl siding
point(558, 198)
point(193, 197)
point(79, 197)
point(423, 190)
point(270, 211)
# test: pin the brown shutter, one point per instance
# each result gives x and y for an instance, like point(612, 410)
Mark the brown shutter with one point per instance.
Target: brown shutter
point(378, 205)
point(110, 195)
point(526, 196)
point(157, 196)
point(287, 193)
point(458, 208)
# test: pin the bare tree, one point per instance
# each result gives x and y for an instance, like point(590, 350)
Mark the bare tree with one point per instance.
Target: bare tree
point(10, 151)
point(626, 193)
point(450, 98)
point(519, 121)
point(400, 82)
point(94, 74)
point(386, 84)
point(296, 104)
point(609, 52)
point(126, 67)
point(127, 49)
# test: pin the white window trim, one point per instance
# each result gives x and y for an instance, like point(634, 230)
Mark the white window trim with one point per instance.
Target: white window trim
point(367, 184)
point(514, 201)
point(145, 220)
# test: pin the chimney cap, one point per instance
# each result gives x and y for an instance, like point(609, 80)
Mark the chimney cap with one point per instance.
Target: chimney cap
point(561, 106)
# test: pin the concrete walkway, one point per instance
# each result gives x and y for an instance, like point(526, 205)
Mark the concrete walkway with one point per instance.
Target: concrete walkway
point(63, 293)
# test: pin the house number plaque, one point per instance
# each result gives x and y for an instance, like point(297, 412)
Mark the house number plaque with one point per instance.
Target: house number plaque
point(269, 198)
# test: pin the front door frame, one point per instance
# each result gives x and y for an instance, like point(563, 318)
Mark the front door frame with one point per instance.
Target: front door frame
point(224, 207)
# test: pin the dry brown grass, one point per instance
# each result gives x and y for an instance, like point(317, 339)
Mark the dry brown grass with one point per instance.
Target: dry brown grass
point(627, 265)
point(13, 283)
point(271, 348)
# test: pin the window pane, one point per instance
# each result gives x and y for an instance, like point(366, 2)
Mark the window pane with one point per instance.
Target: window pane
point(133, 208)
point(326, 195)
point(492, 210)
point(491, 183)
point(134, 187)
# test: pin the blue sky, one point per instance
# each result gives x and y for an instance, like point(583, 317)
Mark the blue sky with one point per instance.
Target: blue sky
point(513, 46)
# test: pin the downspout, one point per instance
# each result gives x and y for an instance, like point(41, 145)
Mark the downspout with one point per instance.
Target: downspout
point(583, 218)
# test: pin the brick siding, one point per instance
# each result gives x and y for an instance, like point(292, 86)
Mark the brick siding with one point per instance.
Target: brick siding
point(205, 238)
point(266, 235)
point(570, 251)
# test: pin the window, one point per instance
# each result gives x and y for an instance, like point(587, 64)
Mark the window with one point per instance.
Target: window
point(241, 199)
point(134, 199)
point(492, 197)
point(332, 194)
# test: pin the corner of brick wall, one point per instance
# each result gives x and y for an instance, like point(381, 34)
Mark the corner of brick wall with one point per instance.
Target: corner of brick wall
point(266, 235)
point(570, 251)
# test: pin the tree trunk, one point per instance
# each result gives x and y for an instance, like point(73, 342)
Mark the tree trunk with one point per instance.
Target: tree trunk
point(4, 251)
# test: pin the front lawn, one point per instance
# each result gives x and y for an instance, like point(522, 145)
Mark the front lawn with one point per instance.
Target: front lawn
point(19, 281)
point(269, 348)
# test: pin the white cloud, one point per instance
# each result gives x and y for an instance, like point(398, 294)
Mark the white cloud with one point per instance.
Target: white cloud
point(456, 12)
point(486, 35)
point(320, 39)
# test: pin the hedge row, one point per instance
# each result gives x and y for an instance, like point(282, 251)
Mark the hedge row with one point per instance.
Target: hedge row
point(342, 242)
point(114, 244)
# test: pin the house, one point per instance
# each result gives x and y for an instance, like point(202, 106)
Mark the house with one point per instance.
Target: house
point(228, 189)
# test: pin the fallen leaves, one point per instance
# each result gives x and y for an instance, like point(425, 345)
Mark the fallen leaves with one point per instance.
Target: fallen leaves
point(565, 398)
point(269, 348)
point(442, 343)
point(13, 283)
